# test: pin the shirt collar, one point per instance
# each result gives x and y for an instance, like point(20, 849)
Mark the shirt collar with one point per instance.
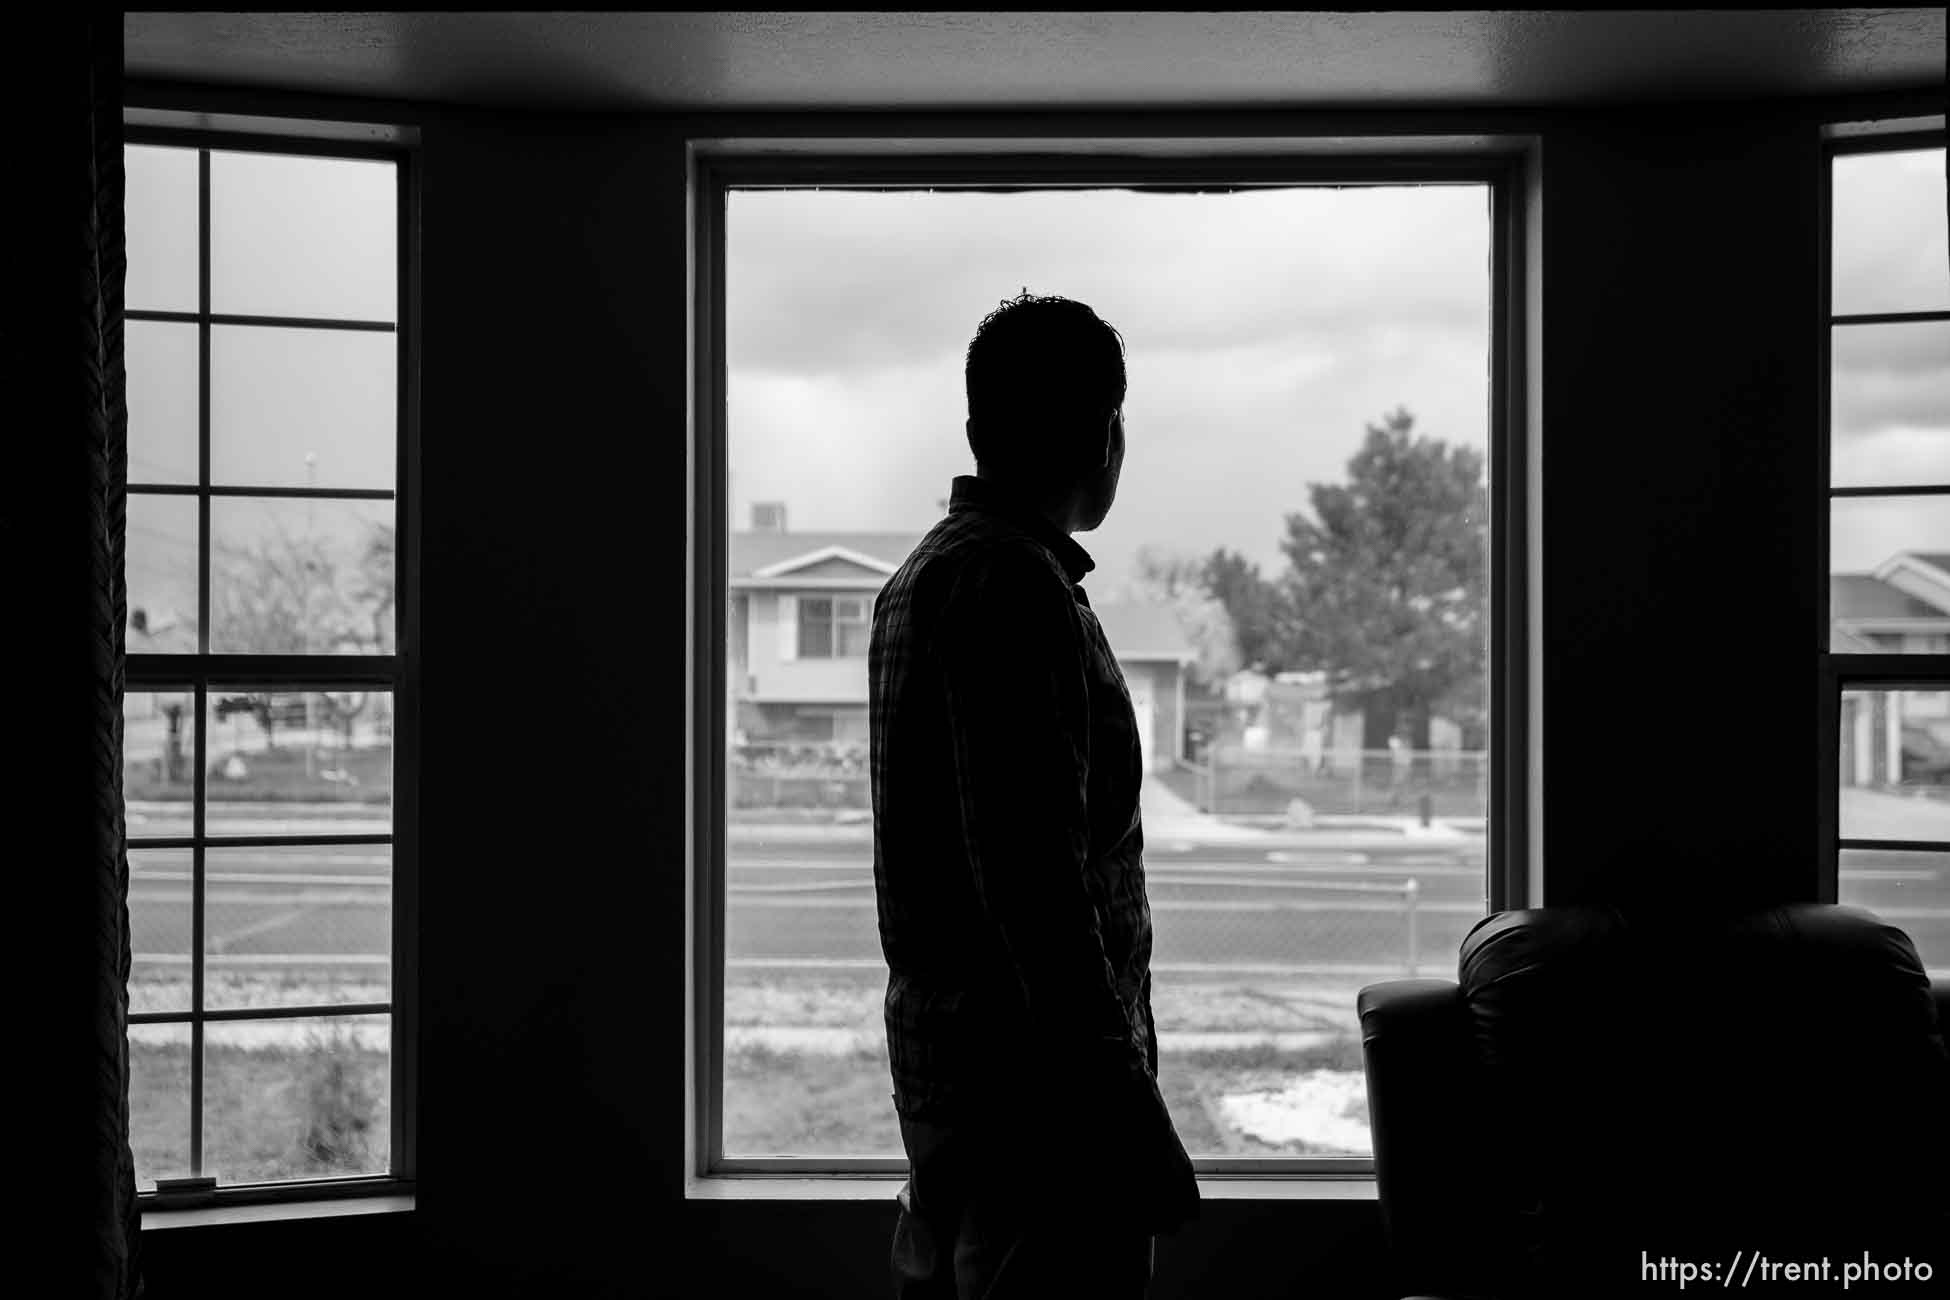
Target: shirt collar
point(971, 493)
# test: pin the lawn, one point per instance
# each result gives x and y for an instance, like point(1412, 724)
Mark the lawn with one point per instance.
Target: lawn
point(819, 1103)
point(318, 1109)
point(806, 1068)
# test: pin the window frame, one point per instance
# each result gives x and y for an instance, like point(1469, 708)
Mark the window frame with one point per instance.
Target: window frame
point(397, 673)
point(1506, 164)
point(1840, 673)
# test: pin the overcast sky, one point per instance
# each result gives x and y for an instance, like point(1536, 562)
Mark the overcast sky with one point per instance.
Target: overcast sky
point(1264, 330)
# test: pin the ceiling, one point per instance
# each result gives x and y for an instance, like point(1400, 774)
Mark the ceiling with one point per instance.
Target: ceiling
point(955, 60)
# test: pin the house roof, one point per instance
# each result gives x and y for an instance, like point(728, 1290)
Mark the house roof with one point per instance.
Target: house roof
point(751, 552)
point(1136, 630)
point(1862, 595)
point(1140, 630)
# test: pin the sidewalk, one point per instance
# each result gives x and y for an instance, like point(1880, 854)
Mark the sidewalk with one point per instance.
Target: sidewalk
point(1878, 815)
point(1169, 819)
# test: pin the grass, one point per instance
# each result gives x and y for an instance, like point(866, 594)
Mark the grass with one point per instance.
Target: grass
point(803, 1103)
point(313, 1111)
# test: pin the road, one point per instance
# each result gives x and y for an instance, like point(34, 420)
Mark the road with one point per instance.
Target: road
point(1333, 911)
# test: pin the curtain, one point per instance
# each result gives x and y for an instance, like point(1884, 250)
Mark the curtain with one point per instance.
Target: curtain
point(102, 427)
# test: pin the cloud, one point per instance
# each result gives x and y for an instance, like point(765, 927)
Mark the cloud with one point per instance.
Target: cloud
point(1887, 377)
point(819, 280)
point(1889, 232)
point(1264, 331)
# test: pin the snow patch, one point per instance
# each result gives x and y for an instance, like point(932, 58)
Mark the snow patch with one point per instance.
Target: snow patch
point(1322, 1108)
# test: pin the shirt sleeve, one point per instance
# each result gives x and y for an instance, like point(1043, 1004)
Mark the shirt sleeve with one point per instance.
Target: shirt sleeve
point(1012, 654)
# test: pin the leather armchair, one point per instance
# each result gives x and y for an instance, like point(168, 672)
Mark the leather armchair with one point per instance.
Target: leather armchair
point(1601, 1092)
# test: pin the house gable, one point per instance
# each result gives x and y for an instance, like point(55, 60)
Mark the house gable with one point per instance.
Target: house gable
point(1921, 577)
point(828, 562)
point(833, 566)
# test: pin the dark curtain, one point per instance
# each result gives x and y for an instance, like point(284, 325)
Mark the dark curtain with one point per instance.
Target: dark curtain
point(96, 848)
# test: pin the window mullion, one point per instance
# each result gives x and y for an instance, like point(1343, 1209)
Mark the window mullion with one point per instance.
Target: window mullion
point(200, 749)
point(199, 791)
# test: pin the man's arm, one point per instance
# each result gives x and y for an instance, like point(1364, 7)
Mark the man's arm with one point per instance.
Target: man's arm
point(1012, 657)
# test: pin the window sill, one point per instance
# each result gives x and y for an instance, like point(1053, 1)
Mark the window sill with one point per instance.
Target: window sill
point(159, 1217)
point(884, 1187)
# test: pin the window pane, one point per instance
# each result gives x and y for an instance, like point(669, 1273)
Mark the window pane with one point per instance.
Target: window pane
point(1889, 244)
point(301, 576)
point(299, 1098)
point(1889, 402)
point(161, 569)
point(815, 629)
point(1895, 765)
point(311, 237)
point(160, 207)
point(158, 758)
point(1281, 830)
point(1889, 566)
point(302, 408)
point(297, 926)
point(159, 922)
point(159, 1102)
point(300, 762)
point(1906, 890)
point(162, 374)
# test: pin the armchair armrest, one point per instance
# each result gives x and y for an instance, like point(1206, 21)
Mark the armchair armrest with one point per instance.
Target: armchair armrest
point(1422, 1110)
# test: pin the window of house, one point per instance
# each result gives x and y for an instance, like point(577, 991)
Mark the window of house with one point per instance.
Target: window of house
point(1887, 661)
point(1317, 807)
point(833, 627)
point(268, 717)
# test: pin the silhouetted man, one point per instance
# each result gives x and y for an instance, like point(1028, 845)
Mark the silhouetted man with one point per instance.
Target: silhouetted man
point(1008, 854)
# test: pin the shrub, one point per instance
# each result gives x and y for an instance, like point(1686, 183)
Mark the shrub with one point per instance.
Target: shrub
point(338, 1108)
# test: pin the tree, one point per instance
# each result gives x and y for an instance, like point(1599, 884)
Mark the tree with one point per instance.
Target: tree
point(1253, 604)
point(1176, 579)
point(284, 594)
point(1386, 584)
point(376, 583)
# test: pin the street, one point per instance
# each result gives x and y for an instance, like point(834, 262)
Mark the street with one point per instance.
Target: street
point(1385, 907)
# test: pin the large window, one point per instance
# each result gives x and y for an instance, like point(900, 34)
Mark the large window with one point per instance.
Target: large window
point(1297, 578)
point(1887, 659)
point(267, 724)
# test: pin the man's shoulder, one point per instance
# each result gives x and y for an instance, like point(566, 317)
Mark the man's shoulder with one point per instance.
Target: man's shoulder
point(972, 551)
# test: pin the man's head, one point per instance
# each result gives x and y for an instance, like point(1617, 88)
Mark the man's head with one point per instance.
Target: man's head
point(1045, 404)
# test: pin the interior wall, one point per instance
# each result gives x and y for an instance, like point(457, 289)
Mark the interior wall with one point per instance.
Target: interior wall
point(1680, 513)
point(1681, 503)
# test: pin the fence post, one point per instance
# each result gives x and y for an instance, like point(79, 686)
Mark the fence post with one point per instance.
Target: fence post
point(1410, 889)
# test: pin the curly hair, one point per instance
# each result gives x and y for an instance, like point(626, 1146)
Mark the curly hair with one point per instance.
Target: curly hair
point(1042, 372)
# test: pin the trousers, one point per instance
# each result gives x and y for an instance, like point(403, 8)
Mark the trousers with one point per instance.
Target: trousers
point(980, 1221)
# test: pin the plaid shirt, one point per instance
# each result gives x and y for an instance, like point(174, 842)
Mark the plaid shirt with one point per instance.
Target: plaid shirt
point(1008, 853)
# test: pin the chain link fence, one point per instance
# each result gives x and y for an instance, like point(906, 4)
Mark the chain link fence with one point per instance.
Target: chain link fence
point(1239, 782)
